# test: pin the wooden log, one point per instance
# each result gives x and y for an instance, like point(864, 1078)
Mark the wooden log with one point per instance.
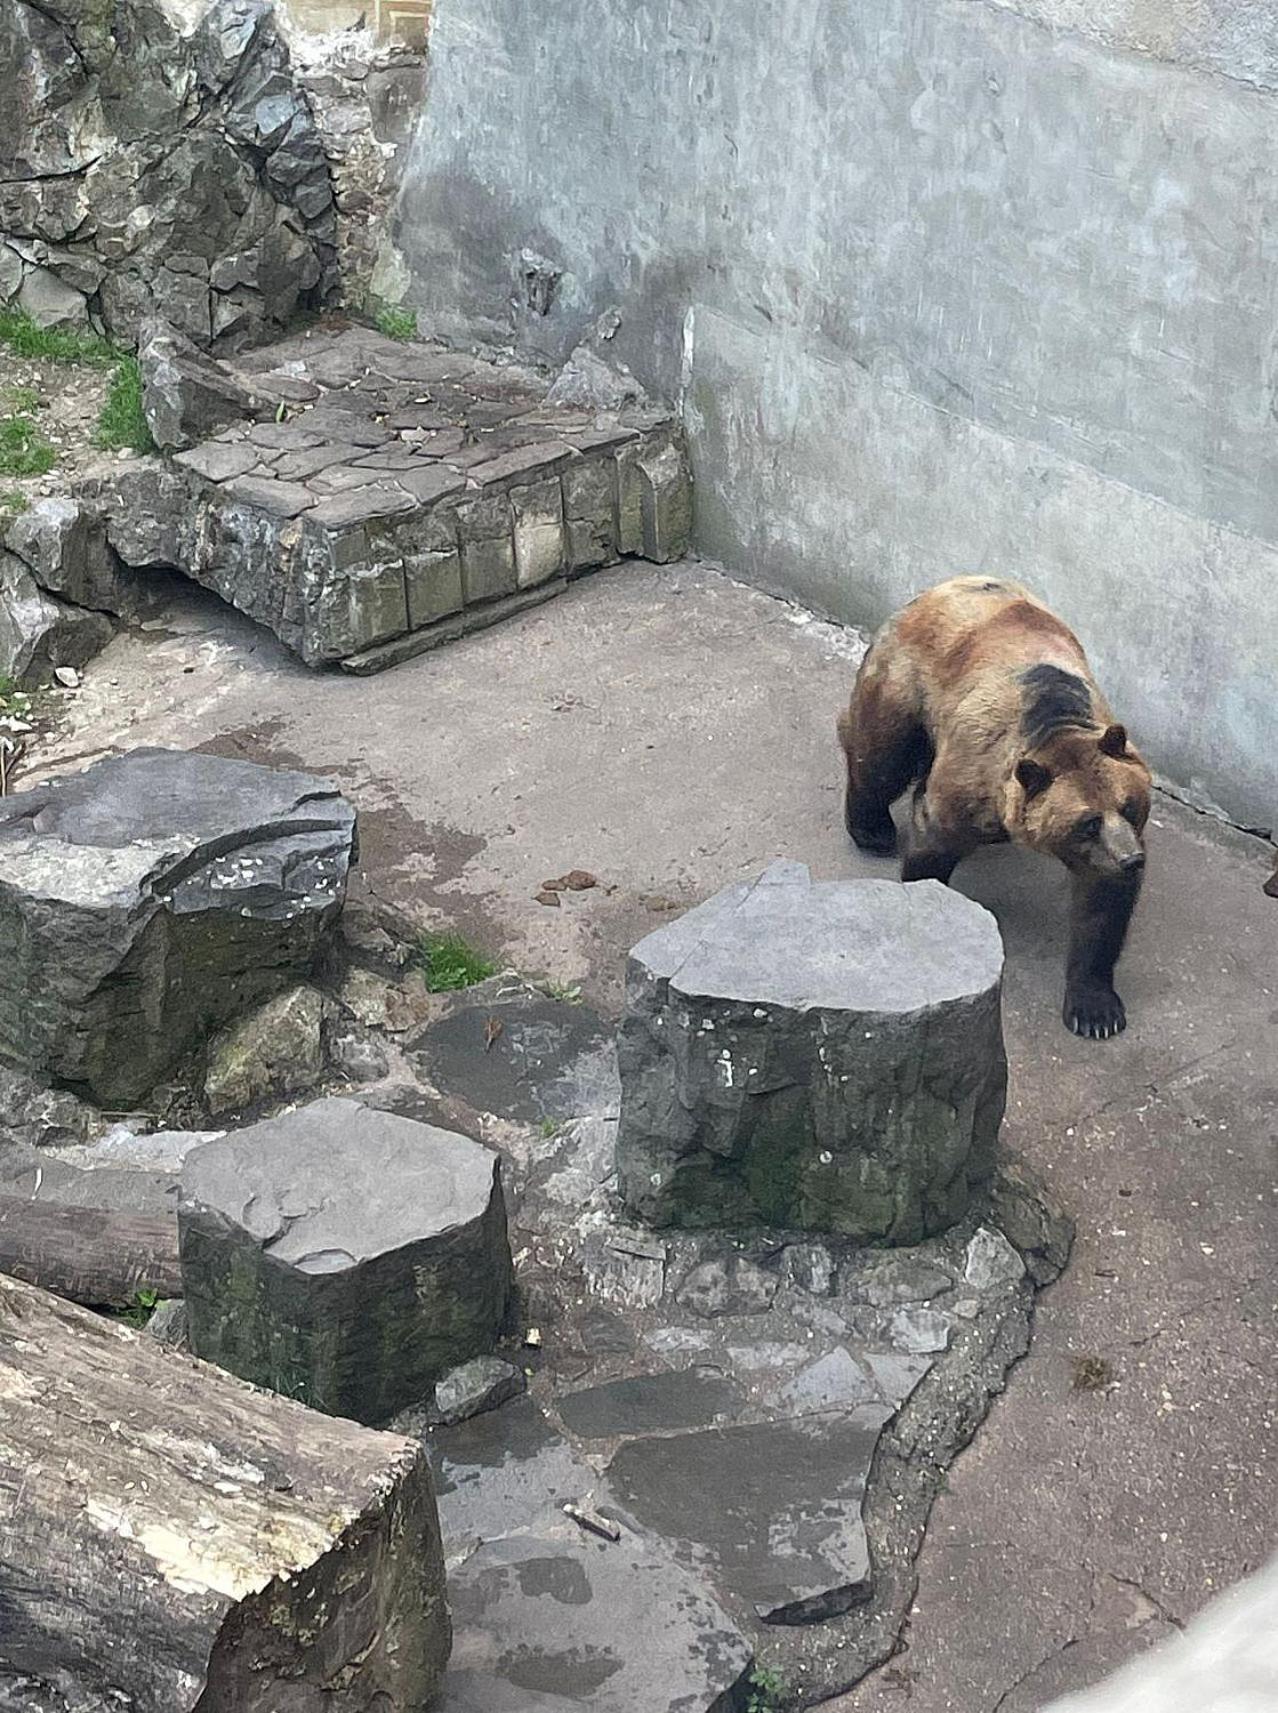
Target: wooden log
point(92, 1255)
point(171, 1537)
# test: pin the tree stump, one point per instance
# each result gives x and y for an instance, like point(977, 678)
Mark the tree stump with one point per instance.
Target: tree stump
point(343, 1255)
point(172, 1538)
point(821, 1057)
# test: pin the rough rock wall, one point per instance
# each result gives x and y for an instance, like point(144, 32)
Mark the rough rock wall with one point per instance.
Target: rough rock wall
point(143, 170)
point(366, 96)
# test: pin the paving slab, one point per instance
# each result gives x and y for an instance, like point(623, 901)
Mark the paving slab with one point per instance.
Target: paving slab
point(774, 1508)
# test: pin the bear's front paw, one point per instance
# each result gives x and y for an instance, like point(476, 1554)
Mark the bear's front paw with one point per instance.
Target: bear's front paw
point(1095, 1013)
point(876, 838)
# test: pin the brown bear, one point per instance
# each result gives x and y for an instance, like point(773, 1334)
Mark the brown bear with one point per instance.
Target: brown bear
point(982, 699)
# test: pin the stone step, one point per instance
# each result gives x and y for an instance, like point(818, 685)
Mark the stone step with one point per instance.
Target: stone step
point(416, 492)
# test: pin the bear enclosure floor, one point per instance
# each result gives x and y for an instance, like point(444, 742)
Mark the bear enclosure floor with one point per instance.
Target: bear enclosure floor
point(671, 732)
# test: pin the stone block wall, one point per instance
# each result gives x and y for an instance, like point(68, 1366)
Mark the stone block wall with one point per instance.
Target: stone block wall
point(943, 286)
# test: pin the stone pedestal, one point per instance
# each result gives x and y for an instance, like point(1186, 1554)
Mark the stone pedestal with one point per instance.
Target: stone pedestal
point(151, 899)
point(823, 1057)
point(343, 1256)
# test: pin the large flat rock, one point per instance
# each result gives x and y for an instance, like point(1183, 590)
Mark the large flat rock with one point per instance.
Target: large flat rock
point(821, 1056)
point(151, 899)
point(773, 1508)
point(343, 1255)
point(548, 1618)
point(551, 1620)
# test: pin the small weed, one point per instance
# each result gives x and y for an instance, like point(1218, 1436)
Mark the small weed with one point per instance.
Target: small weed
point(567, 993)
point(15, 704)
point(767, 1691)
point(1092, 1373)
point(24, 448)
point(121, 422)
point(141, 1308)
point(25, 400)
point(448, 963)
point(54, 344)
point(396, 323)
point(12, 502)
point(548, 1129)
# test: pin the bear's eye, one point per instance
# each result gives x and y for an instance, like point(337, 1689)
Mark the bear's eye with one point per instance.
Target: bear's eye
point(1131, 811)
point(1089, 827)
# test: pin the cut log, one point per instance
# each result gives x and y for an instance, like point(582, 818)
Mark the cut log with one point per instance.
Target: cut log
point(93, 1255)
point(171, 1538)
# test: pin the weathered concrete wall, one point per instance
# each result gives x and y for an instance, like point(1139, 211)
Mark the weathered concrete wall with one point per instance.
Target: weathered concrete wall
point(942, 287)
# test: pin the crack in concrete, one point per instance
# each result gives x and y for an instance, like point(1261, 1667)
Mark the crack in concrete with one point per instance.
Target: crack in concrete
point(1033, 1670)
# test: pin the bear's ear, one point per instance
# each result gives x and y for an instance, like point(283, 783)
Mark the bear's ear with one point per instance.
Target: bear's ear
point(1113, 741)
point(1032, 777)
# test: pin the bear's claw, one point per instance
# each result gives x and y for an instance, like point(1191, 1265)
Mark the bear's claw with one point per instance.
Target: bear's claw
point(1097, 1014)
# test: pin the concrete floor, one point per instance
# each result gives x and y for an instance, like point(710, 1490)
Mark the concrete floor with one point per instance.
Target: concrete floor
point(671, 731)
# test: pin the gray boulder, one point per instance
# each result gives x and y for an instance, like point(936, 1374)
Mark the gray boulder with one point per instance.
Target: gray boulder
point(588, 382)
point(187, 396)
point(51, 303)
point(343, 1255)
point(821, 1057)
point(37, 1116)
point(150, 900)
point(276, 1051)
point(39, 633)
point(474, 1388)
point(63, 543)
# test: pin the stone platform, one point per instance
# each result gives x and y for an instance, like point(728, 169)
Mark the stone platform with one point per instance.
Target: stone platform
point(392, 495)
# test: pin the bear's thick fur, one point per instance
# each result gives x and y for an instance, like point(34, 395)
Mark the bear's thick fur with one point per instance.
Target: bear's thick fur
point(982, 700)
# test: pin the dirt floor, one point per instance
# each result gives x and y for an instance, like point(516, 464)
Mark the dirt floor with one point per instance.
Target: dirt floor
point(670, 732)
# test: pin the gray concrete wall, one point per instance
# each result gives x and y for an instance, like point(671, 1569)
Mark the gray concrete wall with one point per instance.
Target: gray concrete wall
point(942, 286)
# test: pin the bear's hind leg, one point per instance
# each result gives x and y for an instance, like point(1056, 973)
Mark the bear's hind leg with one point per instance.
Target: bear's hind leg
point(887, 749)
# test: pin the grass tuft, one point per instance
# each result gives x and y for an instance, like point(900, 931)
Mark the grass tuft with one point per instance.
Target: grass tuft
point(55, 344)
point(449, 964)
point(122, 422)
point(396, 322)
point(14, 703)
point(24, 448)
point(12, 502)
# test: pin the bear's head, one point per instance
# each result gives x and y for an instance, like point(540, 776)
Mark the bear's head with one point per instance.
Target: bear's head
point(1084, 797)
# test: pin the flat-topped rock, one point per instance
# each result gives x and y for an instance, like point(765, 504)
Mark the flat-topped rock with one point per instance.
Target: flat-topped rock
point(343, 1255)
point(150, 900)
point(822, 1056)
point(413, 495)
